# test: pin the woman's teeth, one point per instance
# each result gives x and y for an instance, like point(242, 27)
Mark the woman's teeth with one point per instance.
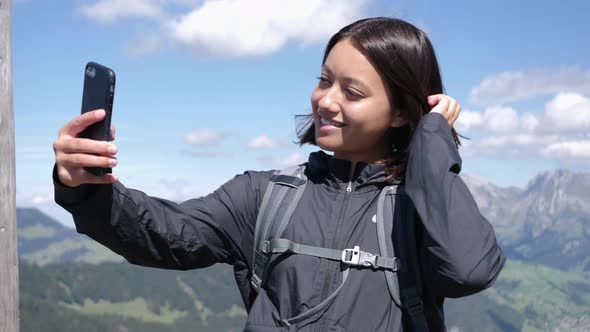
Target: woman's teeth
point(330, 123)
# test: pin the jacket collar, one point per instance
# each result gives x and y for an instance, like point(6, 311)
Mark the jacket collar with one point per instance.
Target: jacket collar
point(336, 171)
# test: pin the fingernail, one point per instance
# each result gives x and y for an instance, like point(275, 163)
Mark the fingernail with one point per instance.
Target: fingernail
point(100, 113)
point(116, 178)
point(112, 162)
point(112, 149)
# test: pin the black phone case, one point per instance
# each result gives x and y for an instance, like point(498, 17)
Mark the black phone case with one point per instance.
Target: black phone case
point(99, 92)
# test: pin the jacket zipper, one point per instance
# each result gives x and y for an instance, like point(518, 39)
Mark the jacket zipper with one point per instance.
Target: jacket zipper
point(328, 277)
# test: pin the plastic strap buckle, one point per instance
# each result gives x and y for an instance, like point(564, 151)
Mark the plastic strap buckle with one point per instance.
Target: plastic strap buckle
point(265, 247)
point(357, 257)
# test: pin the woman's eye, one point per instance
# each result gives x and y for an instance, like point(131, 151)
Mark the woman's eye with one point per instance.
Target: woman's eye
point(354, 93)
point(323, 80)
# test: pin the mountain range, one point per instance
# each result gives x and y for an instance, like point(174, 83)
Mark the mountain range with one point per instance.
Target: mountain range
point(547, 222)
point(74, 283)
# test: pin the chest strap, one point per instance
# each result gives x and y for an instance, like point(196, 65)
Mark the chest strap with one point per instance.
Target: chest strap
point(353, 257)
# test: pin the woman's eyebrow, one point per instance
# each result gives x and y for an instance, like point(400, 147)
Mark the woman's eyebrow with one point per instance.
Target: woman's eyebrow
point(347, 78)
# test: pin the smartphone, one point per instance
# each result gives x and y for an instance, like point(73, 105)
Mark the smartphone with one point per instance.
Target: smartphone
point(98, 93)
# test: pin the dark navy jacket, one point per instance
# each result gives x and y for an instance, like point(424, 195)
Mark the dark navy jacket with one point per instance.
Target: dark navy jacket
point(458, 252)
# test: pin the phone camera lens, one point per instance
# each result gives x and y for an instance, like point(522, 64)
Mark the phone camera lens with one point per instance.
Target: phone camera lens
point(90, 71)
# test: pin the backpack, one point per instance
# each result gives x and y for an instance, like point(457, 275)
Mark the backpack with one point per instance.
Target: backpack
point(280, 199)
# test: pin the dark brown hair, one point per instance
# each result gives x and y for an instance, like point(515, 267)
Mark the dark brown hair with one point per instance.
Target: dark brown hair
point(404, 57)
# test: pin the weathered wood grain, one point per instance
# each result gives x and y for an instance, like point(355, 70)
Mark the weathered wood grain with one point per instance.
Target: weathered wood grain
point(9, 299)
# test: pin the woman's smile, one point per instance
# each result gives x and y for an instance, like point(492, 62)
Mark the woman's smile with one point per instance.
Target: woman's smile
point(326, 124)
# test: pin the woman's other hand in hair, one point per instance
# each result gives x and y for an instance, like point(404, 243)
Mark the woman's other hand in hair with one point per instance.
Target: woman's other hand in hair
point(446, 106)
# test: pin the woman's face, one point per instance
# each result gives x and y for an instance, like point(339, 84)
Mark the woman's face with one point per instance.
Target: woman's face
point(351, 107)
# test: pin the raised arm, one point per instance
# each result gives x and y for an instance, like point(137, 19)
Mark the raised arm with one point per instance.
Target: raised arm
point(147, 230)
point(459, 253)
point(156, 232)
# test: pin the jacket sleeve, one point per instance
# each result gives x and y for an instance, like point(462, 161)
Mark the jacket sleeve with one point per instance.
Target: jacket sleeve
point(458, 251)
point(156, 232)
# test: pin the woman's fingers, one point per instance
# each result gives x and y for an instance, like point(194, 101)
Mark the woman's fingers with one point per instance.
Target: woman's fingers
point(84, 145)
point(74, 154)
point(434, 99)
point(81, 122)
point(80, 160)
point(448, 107)
point(442, 106)
point(455, 115)
point(451, 111)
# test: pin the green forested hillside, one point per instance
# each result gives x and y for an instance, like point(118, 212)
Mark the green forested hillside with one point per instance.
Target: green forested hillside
point(526, 297)
point(123, 297)
point(43, 240)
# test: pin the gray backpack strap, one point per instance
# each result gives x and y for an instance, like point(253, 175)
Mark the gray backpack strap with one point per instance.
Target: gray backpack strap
point(385, 212)
point(285, 186)
point(309, 315)
point(405, 286)
point(351, 256)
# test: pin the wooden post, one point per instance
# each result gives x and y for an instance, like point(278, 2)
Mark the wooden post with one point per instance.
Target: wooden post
point(9, 314)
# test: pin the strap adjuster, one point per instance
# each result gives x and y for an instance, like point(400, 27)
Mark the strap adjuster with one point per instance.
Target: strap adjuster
point(414, 305)
point(357, 257)
point(255, 282)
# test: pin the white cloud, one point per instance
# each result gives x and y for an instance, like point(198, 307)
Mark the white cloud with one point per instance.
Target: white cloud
point(34, 196)
point(565, 114)
point(569, 149)
point(263, 142)
point(232, 28)
point(501, 119)
point(203, 137)
point(258, 27)
point(568, 111)
point(110, 11)
point(468, 120)
point(497, 120)
point(516, 139)
point(529, 122)
point(558, 131)
point(513, 86)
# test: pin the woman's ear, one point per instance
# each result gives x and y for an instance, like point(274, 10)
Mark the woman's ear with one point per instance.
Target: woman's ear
point(398, 119)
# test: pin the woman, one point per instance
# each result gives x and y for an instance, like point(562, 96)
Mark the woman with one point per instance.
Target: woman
point(378, 107)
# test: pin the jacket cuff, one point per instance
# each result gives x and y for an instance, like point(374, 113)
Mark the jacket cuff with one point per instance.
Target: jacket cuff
point(436, 122)
point(438, 125)
point(70, 195)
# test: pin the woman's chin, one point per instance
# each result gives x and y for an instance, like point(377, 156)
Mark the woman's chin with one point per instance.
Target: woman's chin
point(326, 144)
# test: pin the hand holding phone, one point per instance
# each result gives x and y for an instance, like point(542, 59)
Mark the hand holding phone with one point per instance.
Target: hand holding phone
point(83, 152)
point(74, 154)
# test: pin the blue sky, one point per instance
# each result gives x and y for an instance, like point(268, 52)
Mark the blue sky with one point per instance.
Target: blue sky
point(208, 89)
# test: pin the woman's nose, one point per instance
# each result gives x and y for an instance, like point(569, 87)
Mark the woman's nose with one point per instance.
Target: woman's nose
point(329, 101)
